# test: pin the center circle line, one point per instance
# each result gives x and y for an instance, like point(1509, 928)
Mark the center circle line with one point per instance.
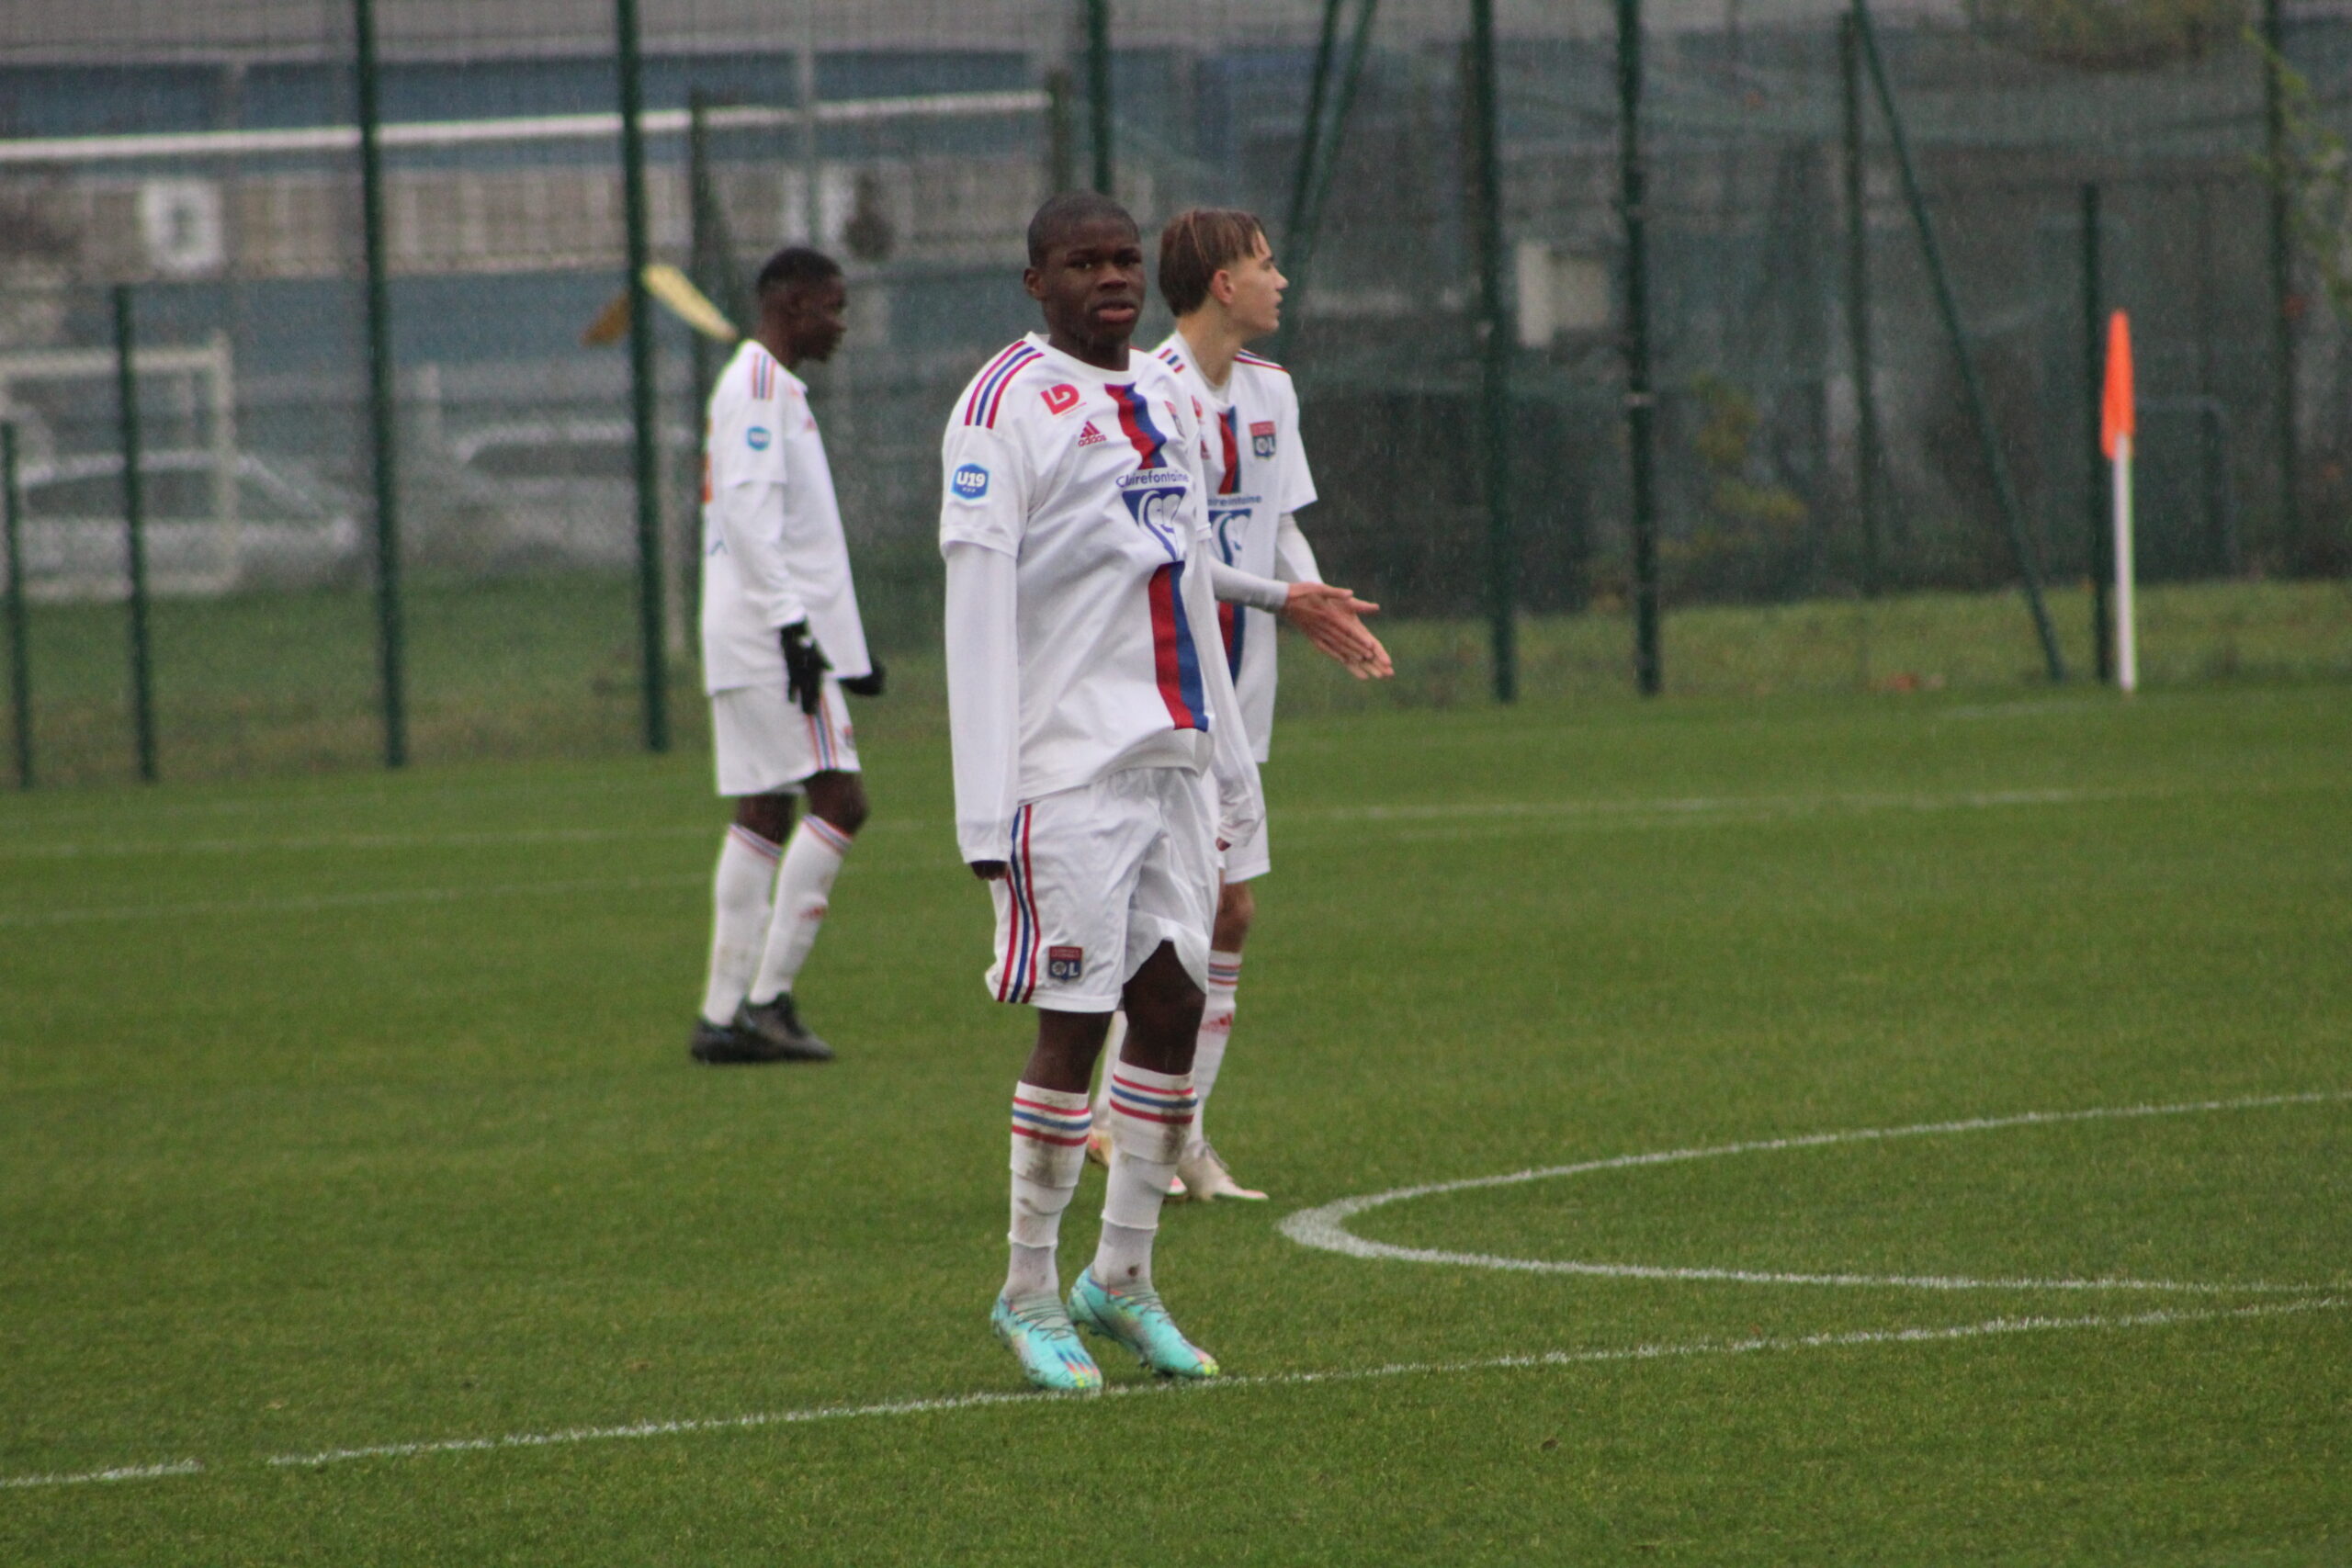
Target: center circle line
point(1325, 1228)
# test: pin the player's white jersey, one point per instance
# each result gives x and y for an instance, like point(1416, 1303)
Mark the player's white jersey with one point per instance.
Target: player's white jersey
point(773, 549)
point(1256, 469)
point(1089, 479)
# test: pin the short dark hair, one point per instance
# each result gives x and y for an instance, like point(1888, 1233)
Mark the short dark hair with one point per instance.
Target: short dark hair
point(1197, 243)
point(1067, 211)
point(794, 266)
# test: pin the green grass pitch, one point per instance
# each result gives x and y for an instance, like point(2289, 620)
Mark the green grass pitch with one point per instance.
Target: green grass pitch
point(353, 1113)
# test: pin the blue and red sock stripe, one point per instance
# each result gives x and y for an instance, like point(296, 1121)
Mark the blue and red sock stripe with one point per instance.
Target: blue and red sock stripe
point(825, 833)
point(1176, 663)
point(1050, 1123)
point(1169, 1108)
point(754, 842)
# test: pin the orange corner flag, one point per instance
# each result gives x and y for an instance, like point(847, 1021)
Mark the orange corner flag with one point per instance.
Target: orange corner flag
point(2115, 407)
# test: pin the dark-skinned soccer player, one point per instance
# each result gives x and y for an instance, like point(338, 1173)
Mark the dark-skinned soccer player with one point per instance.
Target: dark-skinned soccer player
point(781, 641)
point(1090, 712)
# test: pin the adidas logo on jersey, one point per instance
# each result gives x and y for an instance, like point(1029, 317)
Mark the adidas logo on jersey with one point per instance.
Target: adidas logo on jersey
point(1091, 436)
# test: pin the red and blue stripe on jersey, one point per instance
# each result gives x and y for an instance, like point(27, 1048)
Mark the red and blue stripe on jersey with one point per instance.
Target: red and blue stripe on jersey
point(1135, 424)
point(763, 373)
point(987, 388)
point(1260, 360)
point(1175, 659)
point(1228, 433)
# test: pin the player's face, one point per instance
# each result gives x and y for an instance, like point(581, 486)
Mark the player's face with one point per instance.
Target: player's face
point(1089, 288)
point(1258, 285)
point(815, 318)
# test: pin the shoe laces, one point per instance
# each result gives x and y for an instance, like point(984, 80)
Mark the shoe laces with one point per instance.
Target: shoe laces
point(1041, 1314)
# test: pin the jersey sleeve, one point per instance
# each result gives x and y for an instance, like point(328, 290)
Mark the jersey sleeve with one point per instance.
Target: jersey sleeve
point(1293, 559)
point(1294, 486)
point(746, 503)
point(746, 442)
point(984, 488)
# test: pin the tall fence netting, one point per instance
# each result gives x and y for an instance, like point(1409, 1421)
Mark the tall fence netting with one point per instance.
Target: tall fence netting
point(204, 157)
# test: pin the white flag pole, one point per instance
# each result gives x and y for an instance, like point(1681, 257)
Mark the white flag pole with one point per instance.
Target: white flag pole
point(2127, 660)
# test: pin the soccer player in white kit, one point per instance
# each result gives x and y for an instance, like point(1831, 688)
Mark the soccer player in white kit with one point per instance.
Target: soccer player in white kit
point(1086, 704)
point(1218, 275)
point(781, 639)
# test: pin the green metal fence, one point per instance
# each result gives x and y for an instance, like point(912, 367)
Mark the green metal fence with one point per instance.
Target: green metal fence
point(1610, 321)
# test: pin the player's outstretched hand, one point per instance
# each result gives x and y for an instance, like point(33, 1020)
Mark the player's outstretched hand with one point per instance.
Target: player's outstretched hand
point(989, 870)
point(1332, 619)
point(804, 667)
point(866, 685)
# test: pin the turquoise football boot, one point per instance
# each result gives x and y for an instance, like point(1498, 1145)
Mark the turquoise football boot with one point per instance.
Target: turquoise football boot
point(1038, 1332)
point(1138, 1320)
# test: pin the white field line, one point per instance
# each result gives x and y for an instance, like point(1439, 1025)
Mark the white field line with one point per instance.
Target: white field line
point(1325, 1228)
point(1851, 1339)
point(91, 1477)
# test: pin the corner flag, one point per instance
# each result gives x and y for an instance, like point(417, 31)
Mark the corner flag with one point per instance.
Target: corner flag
point(2116, 434)
point(2116, 409)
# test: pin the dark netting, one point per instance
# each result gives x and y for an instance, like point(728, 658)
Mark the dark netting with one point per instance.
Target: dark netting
point(206, 156)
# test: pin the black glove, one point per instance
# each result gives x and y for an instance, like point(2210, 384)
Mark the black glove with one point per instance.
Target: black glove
point(866, 685)
point(804, 667)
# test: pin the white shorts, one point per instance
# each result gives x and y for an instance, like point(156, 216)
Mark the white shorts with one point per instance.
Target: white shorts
point(1244, 862)
point(1101, 876)
point(1249, 859)
point(764, 744)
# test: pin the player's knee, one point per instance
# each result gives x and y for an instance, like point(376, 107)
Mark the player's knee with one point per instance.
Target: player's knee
point(769, 815)
point(839, 800)
point(1162, 1002)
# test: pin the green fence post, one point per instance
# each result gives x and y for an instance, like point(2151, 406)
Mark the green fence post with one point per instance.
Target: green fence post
point(1640, 402)
point(1948, 307)
point(643, 408)
point(1494, 354)
point(383, 407)
point(2282, 276)
point(1061, 134)
point(2099, 533)
point(1311, 129)
point(707, 262)
point(21, 676)
point(1098, 91)
point(134, 517)
point(1857, 313)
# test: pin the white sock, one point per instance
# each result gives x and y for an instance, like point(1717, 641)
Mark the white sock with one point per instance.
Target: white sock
point(812, 858)
point(1151, 1115)
point(1216, 1033)
point(1048, 1153)
point(739, 922)
point(1112, 1040)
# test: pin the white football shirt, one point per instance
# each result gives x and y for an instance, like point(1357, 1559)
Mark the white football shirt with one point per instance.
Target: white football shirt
point(1256, 471)
point(1088, 479)
point(773, 547)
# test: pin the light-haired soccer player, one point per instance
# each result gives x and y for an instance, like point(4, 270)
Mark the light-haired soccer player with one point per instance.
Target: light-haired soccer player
point(781, 638)
point(1217, 274)
point(1086, 705)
